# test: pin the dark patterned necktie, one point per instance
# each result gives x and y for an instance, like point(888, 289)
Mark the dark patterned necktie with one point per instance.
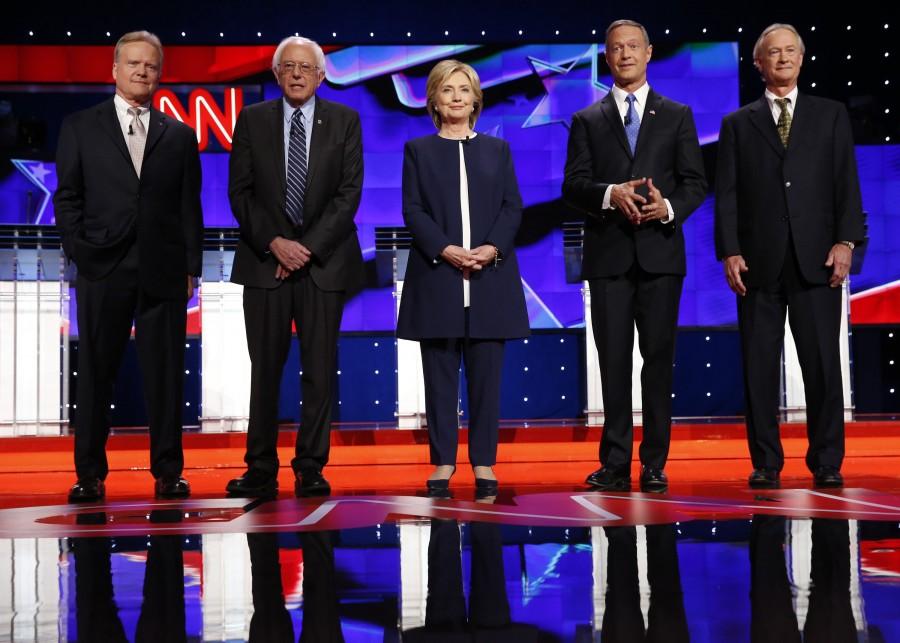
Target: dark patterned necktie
point(296, 170)
point(784, 120)
point(632, 123)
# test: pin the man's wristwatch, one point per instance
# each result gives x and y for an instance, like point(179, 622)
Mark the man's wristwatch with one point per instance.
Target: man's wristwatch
point(849, 244)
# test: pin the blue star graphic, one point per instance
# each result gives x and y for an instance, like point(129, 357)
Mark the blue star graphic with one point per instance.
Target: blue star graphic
point(570, 86)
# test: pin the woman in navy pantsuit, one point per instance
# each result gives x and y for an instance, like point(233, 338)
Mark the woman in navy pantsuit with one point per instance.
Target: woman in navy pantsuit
point(462, 297)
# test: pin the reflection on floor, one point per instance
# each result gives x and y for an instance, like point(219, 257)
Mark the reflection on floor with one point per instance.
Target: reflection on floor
point(789, 566)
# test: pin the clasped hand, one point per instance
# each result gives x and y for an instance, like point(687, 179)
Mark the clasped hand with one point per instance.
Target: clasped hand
point(635, 207)
point(291, 256)
point(469, 260)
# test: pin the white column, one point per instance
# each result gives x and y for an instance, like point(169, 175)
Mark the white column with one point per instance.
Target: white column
point(30, 604)
point(226, 585)
point(414, 538)
point(594, 412)
point(794, 395)
point(410, 382)
point(225, 373)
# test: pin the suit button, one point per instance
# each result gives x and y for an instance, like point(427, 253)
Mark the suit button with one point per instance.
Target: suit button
point(787, 184)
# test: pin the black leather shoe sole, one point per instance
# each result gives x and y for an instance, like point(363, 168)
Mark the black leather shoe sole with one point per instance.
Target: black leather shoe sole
point(758, 482)
point(828, 482)
point(91, 492)
point(615, 484)
point(319, 487)
point(172, 490)
point(265, 490)
point(654, 486)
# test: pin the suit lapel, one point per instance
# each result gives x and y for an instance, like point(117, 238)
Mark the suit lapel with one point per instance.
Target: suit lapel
point(648, 122)
point(277, 125)
point(611, 112)
point(320, 121)
point(800, 122)
point(109, 123)
point(761, 117)
point(158, 125)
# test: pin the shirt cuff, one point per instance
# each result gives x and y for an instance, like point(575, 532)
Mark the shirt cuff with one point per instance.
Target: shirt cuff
point(606, 204)
point(671, 217)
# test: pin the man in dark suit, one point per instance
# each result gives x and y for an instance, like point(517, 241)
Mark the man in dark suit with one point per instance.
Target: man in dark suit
point(634, 166)
point(788, 213)
point(295, 182)
point(128, 211)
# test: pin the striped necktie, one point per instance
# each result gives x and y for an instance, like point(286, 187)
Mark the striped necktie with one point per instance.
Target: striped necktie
point(296, 170)
point(784, 120)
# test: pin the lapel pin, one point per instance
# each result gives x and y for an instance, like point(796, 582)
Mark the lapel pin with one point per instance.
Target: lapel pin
point(653, 112)
point(318, 121)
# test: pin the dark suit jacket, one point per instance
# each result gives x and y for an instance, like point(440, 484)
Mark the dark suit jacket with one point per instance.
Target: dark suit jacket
point(102, 207)
point(256, 188)
point(432, 302)
point(765, 193)
point(667, 151)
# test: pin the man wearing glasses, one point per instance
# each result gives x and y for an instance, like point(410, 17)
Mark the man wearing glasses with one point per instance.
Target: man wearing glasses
point(295, 180)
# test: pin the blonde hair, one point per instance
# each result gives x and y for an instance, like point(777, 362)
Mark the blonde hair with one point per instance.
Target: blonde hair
point(436, 79)
point(139, 36)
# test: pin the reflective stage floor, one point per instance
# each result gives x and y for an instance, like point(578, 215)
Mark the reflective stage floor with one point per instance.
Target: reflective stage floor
point(705, 562)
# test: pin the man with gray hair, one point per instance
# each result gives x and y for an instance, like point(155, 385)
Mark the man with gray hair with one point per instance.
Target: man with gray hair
point(128, 211)
point(788, 214)
point(295, 181)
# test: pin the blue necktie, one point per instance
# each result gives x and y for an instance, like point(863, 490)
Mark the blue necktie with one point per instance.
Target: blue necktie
point(296, 170)
point(632, 123)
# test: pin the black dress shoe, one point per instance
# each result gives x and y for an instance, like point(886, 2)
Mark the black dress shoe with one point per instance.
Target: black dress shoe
point(311, 482)
point(828, 476)
point(485, 487)
point(253, 484)
point(172, 487)
point(654, 480)
point(606, 479)
point(87, 490)
point(764, 478)
point(439, 485)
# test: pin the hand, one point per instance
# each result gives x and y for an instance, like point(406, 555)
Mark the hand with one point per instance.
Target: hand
point(625, 199)
point(290, 254)
point(459, 258)
point(485, 254)
point(281, 273)
point(734, 266)
point(656, 210)
point(839, 258)
point(190, 287)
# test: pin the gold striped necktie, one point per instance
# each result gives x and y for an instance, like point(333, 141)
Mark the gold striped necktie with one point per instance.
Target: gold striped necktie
point(784, 120)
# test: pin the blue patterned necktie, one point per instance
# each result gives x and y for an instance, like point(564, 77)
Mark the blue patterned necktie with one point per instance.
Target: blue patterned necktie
point(296, 170)
point(632, 123)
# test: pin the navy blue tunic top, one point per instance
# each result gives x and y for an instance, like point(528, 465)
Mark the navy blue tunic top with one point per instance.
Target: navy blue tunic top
point(432, 300)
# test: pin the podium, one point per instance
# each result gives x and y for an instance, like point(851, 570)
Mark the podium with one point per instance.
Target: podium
point(392, 245)
point(225, 365)
point(34, 340)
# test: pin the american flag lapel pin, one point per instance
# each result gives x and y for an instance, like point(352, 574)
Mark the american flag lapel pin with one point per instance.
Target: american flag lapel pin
point(653, 112)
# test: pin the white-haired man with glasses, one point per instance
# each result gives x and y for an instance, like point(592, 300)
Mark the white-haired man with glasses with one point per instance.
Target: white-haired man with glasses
point(295, 180)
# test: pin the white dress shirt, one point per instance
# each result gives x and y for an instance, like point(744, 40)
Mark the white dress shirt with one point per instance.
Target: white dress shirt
point(122, 107)
point(775, 109)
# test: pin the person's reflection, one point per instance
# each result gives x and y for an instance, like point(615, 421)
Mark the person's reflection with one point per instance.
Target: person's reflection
point(445, 606)
point(270, 620)
point(829, 616)
point(162, 611)
point(96, 613)
point(622, 619)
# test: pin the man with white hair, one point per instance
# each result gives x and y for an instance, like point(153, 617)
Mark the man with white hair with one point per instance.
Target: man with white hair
point(788, 214)
point(295, 180)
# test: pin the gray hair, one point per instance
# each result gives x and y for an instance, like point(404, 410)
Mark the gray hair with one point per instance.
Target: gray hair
point(139, 36)
point(628, 23)
point(299, 40)
point(757, 48)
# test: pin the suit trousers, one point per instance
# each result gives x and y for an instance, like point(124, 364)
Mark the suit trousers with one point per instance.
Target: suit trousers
point(484, 368)
point(106, 308)
point(814, 312)
point(649, 301)
point(268, 314)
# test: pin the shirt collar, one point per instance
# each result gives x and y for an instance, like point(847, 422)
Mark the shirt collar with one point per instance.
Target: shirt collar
point(792, 96)
point(307, 109)
point(122, 106)
point(640, 93)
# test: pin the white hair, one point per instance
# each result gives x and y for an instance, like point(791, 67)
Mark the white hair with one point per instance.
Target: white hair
point(299, 40)
point(757, 48)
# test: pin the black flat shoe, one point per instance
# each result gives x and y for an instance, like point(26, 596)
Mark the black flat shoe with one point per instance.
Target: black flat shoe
point(311, 482)
point(827, 476)
point(168, 487)
point(654, 480)
point(253, 484)
point(486, 487)
point(87, 490)
point(439, 484)
point(764, 478)
point(606, 479)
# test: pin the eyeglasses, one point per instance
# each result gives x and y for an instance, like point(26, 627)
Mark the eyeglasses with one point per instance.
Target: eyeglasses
point(305, 68)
